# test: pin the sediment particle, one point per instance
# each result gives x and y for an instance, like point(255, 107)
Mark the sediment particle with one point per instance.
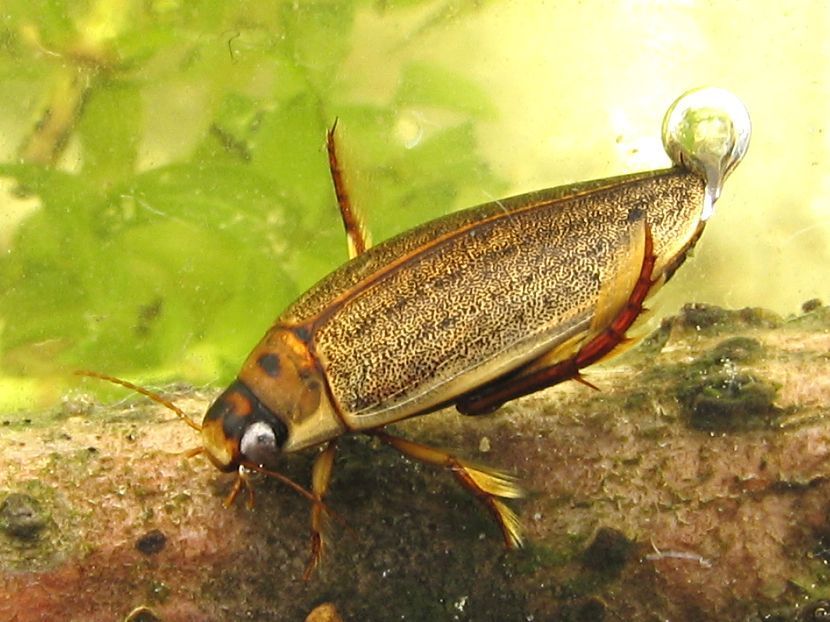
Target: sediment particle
point(21, 516)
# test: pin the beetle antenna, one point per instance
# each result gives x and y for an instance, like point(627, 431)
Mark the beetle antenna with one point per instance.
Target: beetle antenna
point(146, 392)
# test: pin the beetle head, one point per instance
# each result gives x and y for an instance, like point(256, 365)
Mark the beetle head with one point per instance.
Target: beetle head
point(238, 430)
point(707, 131)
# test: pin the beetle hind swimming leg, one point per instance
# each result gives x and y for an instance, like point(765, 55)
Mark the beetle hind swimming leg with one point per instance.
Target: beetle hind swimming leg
point(487, 485)
point(357, 235)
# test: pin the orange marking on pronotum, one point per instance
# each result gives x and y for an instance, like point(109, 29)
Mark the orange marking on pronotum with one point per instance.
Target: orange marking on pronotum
point(240, 404)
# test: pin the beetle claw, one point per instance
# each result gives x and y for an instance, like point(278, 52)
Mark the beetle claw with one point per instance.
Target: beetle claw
point(316, 555)
point(584, 381)
point(242, 482)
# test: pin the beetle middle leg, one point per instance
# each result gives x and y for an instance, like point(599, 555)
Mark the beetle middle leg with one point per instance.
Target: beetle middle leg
point(485, 484)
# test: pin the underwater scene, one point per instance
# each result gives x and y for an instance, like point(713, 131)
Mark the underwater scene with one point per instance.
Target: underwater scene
point(259, 360)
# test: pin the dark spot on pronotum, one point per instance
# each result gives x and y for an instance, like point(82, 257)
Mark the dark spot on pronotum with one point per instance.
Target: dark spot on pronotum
point(151, 542)
point(270, 364)
point(21, 516)
point(302, 333)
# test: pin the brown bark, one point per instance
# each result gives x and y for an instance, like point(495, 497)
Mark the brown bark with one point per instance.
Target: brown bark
point(694, 485)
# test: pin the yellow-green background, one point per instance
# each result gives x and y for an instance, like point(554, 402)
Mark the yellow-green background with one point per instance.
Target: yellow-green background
point(190, 201)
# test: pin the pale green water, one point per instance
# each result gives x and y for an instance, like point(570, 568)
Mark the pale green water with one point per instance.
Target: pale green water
point(182, 199)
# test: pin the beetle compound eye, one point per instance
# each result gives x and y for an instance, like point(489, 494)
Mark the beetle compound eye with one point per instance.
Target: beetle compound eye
point(707, 131)
point(259, 444)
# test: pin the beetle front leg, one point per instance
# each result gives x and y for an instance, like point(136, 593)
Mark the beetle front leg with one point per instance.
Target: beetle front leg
point(242, 482)
point(485, 484)
point(320, 479)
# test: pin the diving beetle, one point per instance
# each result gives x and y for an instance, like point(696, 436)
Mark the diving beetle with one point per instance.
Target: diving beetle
point(470, 310)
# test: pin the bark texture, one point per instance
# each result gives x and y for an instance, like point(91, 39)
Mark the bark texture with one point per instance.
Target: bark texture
point(694, 485)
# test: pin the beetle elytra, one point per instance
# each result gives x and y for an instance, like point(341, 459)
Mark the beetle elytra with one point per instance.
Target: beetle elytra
point(473, 309)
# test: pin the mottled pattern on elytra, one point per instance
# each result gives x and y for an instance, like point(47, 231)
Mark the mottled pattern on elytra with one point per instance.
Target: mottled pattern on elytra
point(320, 296)
point(471, 302)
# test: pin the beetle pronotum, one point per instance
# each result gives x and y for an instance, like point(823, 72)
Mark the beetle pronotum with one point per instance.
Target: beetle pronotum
point(473, 309)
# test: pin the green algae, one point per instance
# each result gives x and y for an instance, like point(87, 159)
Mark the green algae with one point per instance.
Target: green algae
point(729, 401)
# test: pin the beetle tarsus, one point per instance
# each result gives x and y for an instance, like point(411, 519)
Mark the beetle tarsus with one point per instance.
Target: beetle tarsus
point(486, 484)
point(242, 482)
point(238, 484)
point(315, 557)
point(320, 479)
point(486, 487)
